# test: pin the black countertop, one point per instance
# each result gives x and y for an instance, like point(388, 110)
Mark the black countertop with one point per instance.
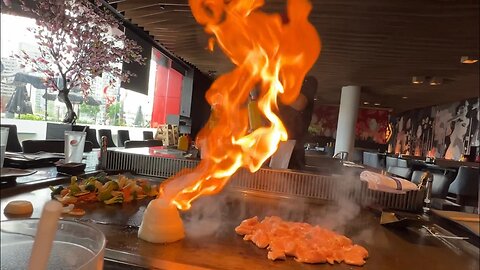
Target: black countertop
point(212, 243)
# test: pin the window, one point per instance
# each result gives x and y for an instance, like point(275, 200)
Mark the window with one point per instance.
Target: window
point(105, 104)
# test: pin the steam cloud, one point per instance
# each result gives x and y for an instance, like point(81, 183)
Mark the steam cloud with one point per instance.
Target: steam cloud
point(216, 214)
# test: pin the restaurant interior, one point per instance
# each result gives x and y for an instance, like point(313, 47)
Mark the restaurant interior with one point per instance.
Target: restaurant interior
point(193, 103)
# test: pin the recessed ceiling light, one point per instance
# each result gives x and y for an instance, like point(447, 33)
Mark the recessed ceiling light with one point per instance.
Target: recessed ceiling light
point(366, 103)
point(376, 104)
point(418, 79)
point(436, 81)
point(404, 97)
point(468, 60)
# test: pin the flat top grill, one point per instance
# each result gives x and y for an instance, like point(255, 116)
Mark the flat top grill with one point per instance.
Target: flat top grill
point(280, 182)
point(212, 243)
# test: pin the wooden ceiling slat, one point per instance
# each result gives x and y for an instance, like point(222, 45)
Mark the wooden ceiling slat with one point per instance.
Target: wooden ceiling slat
point(144, 4)
point(376, 44)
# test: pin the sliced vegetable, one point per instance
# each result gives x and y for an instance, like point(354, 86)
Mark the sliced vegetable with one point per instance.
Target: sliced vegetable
point(89, 197)
point(102, 188)
point(74, 188)
point(90, 184)
point(127, 195)
point(115, 199)
point(102, 177)
point(67, 199)
point(105, 192)
point(55, 191)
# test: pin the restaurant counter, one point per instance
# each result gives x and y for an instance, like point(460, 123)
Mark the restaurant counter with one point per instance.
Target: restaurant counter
point(211, 242)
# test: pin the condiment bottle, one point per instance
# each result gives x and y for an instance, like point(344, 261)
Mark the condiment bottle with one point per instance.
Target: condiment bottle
point(254, 115)
point(183, 143)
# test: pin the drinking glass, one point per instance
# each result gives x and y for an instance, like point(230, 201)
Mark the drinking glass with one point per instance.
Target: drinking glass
point(74, 145)
point(76, 245)
point(3, 144)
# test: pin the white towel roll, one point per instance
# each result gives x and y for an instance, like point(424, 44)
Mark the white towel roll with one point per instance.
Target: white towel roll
point(386, 183)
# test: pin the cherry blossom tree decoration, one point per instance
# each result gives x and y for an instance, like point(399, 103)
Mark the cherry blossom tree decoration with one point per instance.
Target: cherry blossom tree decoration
point(76, 43)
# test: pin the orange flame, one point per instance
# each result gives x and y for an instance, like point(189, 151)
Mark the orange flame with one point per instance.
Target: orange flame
point(270, 53)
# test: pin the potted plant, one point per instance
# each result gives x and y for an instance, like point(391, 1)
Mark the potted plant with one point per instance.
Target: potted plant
point(76, 43)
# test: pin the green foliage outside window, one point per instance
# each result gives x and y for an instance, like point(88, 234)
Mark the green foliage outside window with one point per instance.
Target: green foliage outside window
point(88, 113)
point(30, 117)
point(115, 114)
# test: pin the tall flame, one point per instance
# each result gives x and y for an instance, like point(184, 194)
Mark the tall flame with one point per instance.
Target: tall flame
point(272, 52)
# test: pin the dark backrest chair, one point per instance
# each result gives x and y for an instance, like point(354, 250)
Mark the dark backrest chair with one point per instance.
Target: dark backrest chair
point(108, 134)
point(13, 144)
point(50, 146)
point(372, 160)
point(91, 134)
point(391, 161)
point(465, 186)
point(122, 137)
point(402, 163)
point(146, 143)
point(80, 128)
point(148, 135)
point(441, 183)
point(56, 131)
point(417, 177)
point(400, 171)
point(92, 137)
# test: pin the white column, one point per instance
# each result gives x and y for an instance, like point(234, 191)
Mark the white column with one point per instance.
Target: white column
point(347, 118)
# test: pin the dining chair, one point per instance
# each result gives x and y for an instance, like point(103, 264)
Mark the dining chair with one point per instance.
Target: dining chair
point(107, 133)
point(402, 163)
point(400, 171)
point(13, 144)
point(122, 137)
point(372, 160)
point(147, 135)
point(440, 185)
point(92, 137)
point(465, 186)
point(391, 161)
point(417, 176)
point(80, 128)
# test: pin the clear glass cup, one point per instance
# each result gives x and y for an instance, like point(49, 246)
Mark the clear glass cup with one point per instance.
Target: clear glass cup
point(3, 144)
point(74, 145)
point(76, 245)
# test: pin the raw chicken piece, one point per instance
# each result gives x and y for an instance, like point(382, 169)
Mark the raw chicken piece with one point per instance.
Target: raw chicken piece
point(307, 243)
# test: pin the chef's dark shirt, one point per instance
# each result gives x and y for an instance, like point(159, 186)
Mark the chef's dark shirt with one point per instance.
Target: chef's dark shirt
point(297, 123)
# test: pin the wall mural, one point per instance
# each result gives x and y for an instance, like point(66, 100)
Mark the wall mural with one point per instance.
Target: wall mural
point(371, 124)
point(445, 131)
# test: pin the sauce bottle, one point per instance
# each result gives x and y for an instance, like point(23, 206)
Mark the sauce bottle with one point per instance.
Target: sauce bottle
point(254, 115)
